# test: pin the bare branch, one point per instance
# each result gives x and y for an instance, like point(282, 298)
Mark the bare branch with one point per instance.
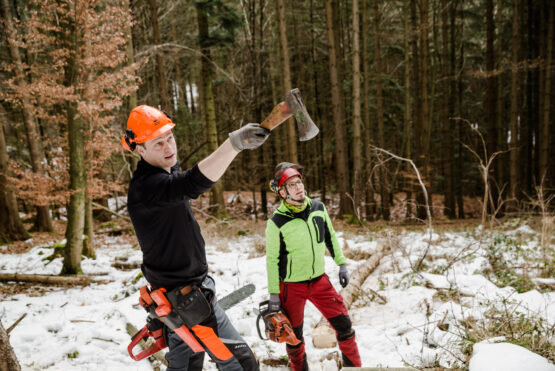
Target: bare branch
point(95, 204)
point(428, 213)
point(152, 49)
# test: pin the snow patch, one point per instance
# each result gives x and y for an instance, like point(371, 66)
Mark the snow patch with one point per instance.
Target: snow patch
point(506, 357)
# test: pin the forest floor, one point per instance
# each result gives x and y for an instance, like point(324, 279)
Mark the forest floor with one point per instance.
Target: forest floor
point(476, 288)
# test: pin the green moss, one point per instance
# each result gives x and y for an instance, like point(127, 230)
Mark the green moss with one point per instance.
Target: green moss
point(58, 249)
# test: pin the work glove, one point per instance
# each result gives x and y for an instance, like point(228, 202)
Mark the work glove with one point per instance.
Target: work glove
point(275, 304)
point(250, 136)
point(343, 275)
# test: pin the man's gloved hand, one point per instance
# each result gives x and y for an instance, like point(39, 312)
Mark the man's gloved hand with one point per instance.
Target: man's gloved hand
point(275, 304)
point(343, 275)
point(250, 136)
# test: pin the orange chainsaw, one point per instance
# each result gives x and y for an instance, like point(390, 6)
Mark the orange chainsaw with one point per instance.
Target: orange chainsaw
point(278, 327)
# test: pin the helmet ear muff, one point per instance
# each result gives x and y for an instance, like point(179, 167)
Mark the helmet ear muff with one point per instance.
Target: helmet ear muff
point(273, 186)
point(130, 135)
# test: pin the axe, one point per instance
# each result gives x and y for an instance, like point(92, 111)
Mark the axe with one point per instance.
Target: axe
point(292, 106)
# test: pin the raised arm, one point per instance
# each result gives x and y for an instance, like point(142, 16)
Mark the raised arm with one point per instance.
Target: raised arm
point(215, 165)
point(250, 136)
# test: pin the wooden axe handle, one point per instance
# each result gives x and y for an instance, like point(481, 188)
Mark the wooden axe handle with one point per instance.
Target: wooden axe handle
point(279, 114)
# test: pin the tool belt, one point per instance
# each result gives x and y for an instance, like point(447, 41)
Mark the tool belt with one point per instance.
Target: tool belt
point(180, 310)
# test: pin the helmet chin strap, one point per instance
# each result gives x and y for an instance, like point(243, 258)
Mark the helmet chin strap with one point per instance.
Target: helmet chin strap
point(289, 198)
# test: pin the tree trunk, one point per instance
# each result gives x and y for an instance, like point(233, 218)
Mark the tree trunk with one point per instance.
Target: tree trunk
point(76, 209)
point(500, 169)
point(357, 155)
point(529, 117)
point(514, 154)
point(369, 194)
point(209, 108)
point(384, 191)
point(11, 227)
point(445, 113)
point(76, 148)
point(43, 221)
point(191, 99)
point(132, 102)
point(179, 83)
point(338, 108)
point(407, 132)
point(88, 242)
point(286, 79)
point(491, 142)
point(8, 361)
point(416, 93)
point(423, 140)
point(545, 123)
point(458, 85)
point(321, 163)
point(160, 69)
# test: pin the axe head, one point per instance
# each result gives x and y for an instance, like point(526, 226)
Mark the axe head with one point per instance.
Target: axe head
point(305, 125)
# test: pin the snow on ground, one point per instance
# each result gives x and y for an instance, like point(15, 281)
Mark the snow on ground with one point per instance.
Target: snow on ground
point(82, 328)
point(506, 357)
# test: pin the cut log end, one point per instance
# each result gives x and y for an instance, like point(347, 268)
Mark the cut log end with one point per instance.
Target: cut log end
point(324, 337)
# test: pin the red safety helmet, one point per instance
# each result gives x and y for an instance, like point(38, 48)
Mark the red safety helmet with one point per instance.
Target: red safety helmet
point(284, 171)
point(145, 123)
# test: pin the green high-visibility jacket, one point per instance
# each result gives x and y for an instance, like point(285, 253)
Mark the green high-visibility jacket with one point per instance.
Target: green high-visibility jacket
point(296, 243)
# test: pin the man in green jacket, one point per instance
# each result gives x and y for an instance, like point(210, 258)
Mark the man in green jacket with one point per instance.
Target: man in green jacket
point(297, 235)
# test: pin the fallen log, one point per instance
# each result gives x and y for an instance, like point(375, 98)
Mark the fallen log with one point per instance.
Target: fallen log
point(124, 266)
point(8, 361)
point(49, 279)
point(323, 336)
point(159, 356)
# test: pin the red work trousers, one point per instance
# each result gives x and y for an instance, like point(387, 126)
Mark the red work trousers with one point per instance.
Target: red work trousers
point(322, 294)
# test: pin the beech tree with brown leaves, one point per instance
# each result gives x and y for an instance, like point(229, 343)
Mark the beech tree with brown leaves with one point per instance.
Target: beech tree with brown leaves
point(77, 77)
point(95, 75)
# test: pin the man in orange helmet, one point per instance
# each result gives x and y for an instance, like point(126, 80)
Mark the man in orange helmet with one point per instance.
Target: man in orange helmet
point(174, 256)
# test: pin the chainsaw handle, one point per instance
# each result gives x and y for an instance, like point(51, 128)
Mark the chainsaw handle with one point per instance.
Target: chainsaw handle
point(164, 307)
point(143, 334)
point(260, 316)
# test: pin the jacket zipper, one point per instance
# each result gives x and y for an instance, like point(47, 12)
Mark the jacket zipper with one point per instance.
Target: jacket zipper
point(290, 267)
point(312, 245)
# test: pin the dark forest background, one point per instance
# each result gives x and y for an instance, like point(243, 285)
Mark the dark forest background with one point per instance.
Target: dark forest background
point(460, 90)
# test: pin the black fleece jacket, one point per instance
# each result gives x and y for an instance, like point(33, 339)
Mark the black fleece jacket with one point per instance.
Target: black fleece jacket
point(168, 233)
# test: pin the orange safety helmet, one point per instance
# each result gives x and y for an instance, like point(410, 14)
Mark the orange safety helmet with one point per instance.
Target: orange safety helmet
point(145, 123)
